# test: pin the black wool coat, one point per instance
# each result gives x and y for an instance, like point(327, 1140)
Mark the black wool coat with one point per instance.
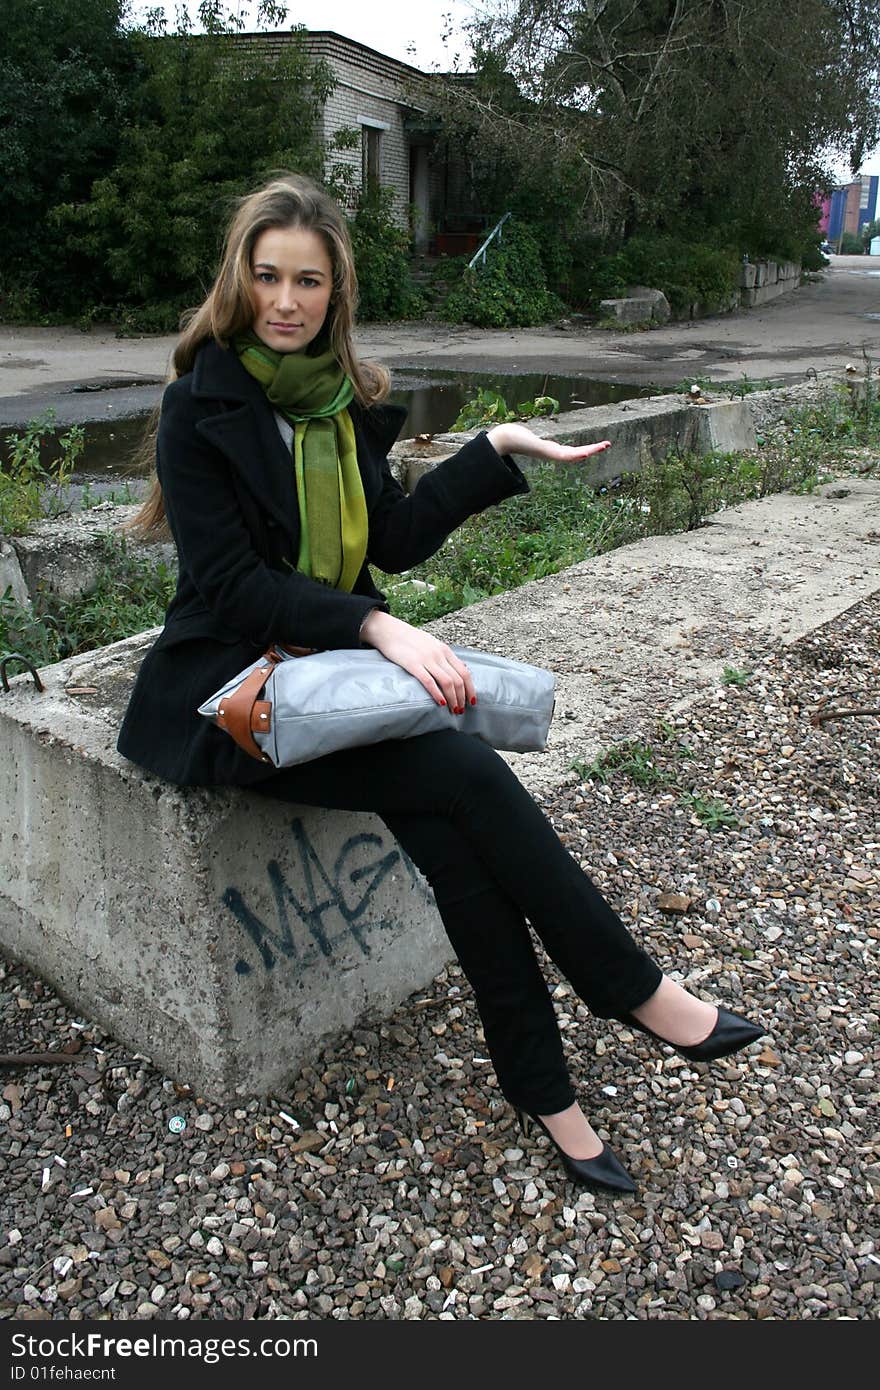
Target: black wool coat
point(230, 497)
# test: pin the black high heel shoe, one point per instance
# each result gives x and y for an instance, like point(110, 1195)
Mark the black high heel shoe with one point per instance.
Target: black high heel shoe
point(605, 1172)
point(729, 1034)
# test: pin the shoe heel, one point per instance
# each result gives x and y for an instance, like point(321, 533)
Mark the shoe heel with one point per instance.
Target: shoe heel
point(524, 1121)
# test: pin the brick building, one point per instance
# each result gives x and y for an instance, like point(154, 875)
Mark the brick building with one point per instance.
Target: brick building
point(386, 101)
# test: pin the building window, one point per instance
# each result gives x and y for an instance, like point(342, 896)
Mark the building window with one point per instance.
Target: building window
point(372, 160)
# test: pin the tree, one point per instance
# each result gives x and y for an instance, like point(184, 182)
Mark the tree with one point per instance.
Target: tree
point(67, 77)
point(709, 117)
point(215, 111)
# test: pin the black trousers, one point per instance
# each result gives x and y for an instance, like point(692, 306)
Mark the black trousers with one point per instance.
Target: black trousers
point(493, 860)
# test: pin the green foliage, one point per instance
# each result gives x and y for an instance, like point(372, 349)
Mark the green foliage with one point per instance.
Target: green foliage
point(68, 78)
point(561, 520)
point(623, 120)
point(851, 244)
point(710, 811)
point(564, 519)
point(595, 275)
point(381, 255)
point(632, 757)
point(869, 231)
point(489, 407)
point(681, 490)
point(687, 273)
point(510, 290)
point(131, 592)
point(733, 676)
point(25, 479)
point(203, 125)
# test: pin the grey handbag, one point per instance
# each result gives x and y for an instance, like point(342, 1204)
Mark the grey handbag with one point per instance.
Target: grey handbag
point(287, 709)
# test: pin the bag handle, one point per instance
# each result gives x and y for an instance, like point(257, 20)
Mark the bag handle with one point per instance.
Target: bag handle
point(238, 713)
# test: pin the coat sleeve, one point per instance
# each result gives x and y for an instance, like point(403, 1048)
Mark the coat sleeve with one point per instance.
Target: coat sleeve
point(406, 529)
point(216, 550)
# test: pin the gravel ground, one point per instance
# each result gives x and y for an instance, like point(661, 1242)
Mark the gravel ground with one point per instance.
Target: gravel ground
point(407, 1192)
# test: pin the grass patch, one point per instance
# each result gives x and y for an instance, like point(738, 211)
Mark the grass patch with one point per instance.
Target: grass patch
point(732, 676)
point(634, 759)
point(131, 593)
point(561, 521)
point(710, 811)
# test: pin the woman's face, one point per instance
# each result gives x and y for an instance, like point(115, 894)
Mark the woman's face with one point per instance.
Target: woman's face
point(293, 281)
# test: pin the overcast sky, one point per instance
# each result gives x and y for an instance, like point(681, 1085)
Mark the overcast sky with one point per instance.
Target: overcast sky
point(411, 30)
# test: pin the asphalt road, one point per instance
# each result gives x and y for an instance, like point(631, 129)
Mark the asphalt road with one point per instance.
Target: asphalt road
point(824, 324)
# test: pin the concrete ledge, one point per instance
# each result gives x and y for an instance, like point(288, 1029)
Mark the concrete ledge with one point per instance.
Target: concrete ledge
point(763, 294)
point(632, 309)
point(222, 933)
point(63, 555)
point(11, 577)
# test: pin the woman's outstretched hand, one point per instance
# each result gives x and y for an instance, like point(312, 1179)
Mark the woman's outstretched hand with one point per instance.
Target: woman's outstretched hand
point(517, 439)
point(446, 678)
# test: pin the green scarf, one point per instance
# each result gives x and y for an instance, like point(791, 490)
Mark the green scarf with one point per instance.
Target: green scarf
point(313, 393)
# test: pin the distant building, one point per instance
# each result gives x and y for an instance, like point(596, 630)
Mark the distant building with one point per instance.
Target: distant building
point(852, 206)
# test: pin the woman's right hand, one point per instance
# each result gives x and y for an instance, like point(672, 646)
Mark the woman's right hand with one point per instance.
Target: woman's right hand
point(446, 678)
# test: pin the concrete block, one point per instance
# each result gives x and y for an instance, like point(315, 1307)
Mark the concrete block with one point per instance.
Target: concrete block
point(220, 933)
point(709, 308)
point(747, 274)
point(660, 310)
point(767, 273)
point(638, 430)
point(64, 554)
point(724, 425)
point(762, 294)
point(11, 577)
point(628, 310)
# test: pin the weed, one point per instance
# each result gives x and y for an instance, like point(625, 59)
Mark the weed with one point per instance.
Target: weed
point(116, 497)
point(632, 757)
point(711, 812)
point(732, 676)
point(615, 325)
point(131, 592)
point(25, 479)
point(489, 407)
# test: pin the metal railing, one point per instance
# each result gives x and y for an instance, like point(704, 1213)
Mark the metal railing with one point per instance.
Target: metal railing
point(496, 231)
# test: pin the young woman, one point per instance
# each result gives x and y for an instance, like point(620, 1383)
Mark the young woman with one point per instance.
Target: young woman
point(272, 476)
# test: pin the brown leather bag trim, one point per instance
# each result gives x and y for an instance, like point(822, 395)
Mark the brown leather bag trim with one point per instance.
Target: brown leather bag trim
point(236, 712)
point(261, 717)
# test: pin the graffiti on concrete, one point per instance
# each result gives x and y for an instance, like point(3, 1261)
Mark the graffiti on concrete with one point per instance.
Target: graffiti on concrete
point(332, 905)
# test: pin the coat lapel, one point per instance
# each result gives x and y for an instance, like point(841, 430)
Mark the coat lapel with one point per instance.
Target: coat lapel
point(247, 433)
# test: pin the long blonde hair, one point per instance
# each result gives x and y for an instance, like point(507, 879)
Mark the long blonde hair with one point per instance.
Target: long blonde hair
point(288, 200)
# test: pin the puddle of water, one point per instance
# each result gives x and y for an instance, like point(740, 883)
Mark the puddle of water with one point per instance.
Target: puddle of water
point(433, 402)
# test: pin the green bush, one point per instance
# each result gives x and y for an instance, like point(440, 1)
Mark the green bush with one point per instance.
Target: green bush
point(851, 245)
point(381, 255)
point(510, 290)
point(686, 272)
point(595, 275)
point(24, 478)
point(205, 125)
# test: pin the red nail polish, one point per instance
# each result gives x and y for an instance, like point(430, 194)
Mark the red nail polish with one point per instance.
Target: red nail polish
point(473, 699)
point(443, 702)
